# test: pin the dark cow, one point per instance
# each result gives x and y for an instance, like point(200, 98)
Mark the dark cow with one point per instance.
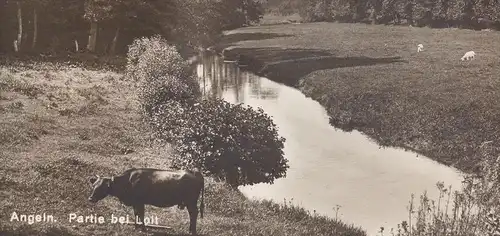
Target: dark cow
point(160, 188)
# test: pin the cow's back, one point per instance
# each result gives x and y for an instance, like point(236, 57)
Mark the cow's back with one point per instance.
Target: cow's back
point(164, 188)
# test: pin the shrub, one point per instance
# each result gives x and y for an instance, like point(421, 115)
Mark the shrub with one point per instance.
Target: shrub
point(153, 57)
point(232, 142)
point(162, 73)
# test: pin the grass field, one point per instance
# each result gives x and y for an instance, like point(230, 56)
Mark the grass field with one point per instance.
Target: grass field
point(61, 124)
point(371, 78)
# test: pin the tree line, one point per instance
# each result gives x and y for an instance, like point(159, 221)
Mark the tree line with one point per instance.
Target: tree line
point(473, 14)
point(109, 26)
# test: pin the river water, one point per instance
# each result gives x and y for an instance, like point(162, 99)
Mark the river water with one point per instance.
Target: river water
point(329, 168)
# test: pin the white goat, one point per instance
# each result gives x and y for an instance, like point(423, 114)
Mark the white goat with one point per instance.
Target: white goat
point(420, 47)
point(468, 56)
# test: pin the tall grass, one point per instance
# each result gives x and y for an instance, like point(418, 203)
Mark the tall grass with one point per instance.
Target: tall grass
point(470, 211)
point(47, 157)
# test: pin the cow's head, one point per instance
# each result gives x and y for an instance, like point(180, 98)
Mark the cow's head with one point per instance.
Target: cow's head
point(100, 187)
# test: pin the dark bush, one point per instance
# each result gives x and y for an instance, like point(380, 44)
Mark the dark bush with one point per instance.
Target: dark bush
point(232, 142)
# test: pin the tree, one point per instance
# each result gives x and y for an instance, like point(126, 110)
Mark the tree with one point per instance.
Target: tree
point(388, 12)
point(35, 27)
point(409, 14)
point(359, 10)
point(110, 25)
point(96, 11)
point(423, 12)
point(198, 23)
point(467, 13)
point(339, 10)
point(18, 42)
point(236, 13)
point(376, 6)
point(139, 18)
point(440, 13)
point(487, 12)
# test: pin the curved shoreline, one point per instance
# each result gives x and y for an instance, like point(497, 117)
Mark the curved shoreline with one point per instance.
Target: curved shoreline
point(260, 68)
point(440, 135)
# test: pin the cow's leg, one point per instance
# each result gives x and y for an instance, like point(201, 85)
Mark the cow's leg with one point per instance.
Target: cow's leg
point(193, 216)
point(139, 215)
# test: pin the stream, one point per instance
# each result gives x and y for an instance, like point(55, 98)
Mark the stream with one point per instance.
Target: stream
point(334, 173)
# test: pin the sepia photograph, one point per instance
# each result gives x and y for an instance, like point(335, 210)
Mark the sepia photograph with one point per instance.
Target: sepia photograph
point(250, 117)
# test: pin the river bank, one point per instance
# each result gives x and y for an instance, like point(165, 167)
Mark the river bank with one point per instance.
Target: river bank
point(62, 123)
point(332, 180)
point(370, 78)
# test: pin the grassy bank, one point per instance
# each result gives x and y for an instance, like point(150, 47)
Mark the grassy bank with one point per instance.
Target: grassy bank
point(371, 78)
point(61, 124)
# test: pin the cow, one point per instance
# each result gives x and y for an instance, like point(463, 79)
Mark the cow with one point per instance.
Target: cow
point(137, 187)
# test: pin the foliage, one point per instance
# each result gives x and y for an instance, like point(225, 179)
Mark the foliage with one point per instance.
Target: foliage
point(232, 142)
point(97, 10)
point(150, 57)
point(58, 22)
point(119, 22)
point(315, 10)
point(200, 23)
point(440, 13)
point(162, 73)
point(239, 13)
point(283, 8)
point(489, 9)
point(472, 210)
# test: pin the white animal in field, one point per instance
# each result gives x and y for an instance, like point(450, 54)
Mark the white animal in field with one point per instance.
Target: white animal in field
point(468, 56)
point(420, 47)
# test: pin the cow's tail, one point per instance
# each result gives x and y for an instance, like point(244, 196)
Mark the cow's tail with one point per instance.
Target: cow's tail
point(202, 204)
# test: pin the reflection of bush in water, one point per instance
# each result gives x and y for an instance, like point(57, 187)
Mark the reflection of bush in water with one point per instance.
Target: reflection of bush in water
point(229, 76)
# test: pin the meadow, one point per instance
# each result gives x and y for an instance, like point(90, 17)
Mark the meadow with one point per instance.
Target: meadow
point(371, 78)
point(62, 123)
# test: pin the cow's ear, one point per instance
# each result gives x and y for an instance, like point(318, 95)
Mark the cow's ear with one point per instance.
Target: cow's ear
point(92, 179)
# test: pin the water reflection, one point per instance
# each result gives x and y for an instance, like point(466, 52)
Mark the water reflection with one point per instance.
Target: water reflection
point(328, 167)
point(218, 78)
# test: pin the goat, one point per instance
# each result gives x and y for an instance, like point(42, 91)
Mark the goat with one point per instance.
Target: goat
point(420, 47)
point(468, 56)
